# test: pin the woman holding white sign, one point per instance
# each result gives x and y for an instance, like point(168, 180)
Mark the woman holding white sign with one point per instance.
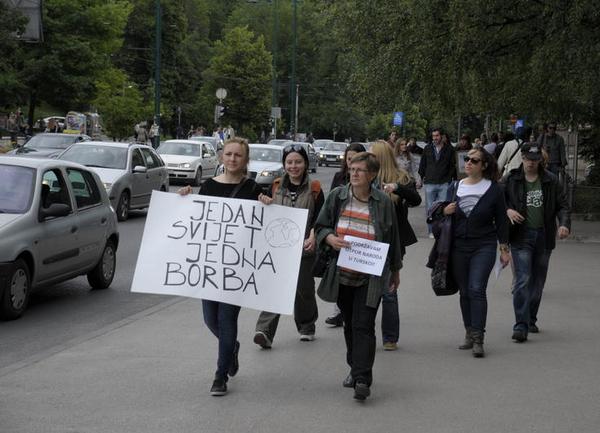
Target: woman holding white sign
point(221, 318)
point(295, 189)
point(362, 211)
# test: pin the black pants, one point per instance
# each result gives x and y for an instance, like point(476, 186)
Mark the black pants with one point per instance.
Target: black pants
point(359, 331)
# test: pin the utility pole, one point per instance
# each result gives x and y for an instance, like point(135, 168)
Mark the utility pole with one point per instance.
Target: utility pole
point(296, 109)
point(293, 81)
point(158, 30)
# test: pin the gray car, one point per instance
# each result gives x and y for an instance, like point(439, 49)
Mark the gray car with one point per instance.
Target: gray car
point(129, 171)
point(48, 145)
point(265, 164)
point(188, 159)
point(332, 153)
point(56, 223)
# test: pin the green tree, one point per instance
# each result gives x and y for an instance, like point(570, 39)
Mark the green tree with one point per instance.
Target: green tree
point(242, 66)
point(11, 87)
point(79, 37)
point(120, 103)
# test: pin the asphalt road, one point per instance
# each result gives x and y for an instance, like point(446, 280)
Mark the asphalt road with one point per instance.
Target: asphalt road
point(64, 312)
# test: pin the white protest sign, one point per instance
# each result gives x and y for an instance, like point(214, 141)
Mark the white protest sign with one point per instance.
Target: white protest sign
point(364, 256)
point(223, 249)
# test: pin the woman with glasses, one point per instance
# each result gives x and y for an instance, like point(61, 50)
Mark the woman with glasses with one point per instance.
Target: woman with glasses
point(340, 178)
point(360, 210)
point(295, 189)
point(400, 187)
point(222, 318)
point(479, 223)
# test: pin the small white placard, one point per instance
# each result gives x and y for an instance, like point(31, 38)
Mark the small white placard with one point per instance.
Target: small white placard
point(364, 256)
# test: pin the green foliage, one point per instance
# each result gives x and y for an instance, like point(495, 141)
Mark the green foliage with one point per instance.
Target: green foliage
point(242, 66)
point(589, 149)
point(11, 88)
point(120, 103)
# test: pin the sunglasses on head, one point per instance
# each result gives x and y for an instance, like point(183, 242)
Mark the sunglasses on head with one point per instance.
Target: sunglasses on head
point(292, 148)
point(471, 159)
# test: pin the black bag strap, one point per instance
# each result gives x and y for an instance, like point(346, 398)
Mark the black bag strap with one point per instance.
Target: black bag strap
point(238, 187)
point(519, 144)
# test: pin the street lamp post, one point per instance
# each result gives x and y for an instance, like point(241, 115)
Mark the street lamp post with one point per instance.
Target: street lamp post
point(293, 126)
point(157, 74)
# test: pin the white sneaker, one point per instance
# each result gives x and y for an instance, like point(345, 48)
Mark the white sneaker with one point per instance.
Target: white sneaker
point(431, 236)
point(307, 337)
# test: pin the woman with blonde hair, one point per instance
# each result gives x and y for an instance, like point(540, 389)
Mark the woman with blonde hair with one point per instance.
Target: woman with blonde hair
point(400, 186)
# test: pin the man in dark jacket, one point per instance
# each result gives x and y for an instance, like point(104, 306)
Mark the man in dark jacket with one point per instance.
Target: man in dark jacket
point(555, 146)
point(534, 202)
point(437, 169)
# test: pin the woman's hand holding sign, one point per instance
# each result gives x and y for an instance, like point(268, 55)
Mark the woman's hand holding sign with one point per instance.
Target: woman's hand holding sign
point(336, 242)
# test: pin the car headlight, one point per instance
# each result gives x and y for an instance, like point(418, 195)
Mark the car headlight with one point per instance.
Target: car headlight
point(185, 165)
point(107, 186)
point(267, 173)
point(341, 156)
point(321, 156)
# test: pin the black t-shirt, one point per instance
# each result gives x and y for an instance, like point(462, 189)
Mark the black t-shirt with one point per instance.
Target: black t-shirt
point(249, 191)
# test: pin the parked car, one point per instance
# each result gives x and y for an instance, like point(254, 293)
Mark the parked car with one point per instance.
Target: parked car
point(332, 153)
point(56, 223)
point(188, 159)
point(279, 141)
point(319, 144)
point(129, 171)
point(48, 144)
point(265, 164)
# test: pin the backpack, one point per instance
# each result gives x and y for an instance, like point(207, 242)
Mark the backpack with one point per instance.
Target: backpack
point(315, 188)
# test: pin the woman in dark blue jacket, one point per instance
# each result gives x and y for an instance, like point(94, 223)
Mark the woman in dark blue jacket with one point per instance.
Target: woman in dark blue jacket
point(479, 223)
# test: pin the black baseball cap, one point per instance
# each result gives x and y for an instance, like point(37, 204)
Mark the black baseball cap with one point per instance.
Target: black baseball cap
point(531, 151)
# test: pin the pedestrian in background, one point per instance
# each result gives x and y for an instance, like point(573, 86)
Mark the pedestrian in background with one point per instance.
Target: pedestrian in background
point(221, 318)
point(360, 210)
point(437, 170)
point(340, 178)
point(296, 189)
point(401, 189)
point(479, 223)
point(510, 157)
point(535, 202)
point(405, 160)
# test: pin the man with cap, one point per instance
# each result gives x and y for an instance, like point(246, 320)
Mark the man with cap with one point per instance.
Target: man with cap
point(534, 203)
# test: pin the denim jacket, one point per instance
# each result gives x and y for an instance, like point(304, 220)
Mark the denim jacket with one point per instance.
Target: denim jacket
point(384, 220)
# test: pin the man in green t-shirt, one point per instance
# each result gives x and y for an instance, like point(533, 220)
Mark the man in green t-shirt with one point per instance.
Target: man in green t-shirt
point(534, 202)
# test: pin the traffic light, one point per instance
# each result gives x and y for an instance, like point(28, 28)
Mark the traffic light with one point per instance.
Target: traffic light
point(221, 110)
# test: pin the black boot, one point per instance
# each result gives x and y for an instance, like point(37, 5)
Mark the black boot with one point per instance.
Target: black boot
point(477, 343)
point(468, 343)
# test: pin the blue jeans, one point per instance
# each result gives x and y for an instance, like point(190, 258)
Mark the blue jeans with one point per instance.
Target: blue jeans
point(390, 317)
point(434, 192)
point(222, 319)
point(472, 263)
point(530, 262)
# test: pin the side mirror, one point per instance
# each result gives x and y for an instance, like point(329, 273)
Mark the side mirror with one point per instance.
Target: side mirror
point(140, 169)
point(55, 210)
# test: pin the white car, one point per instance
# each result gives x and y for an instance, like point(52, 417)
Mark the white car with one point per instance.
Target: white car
point(265, 164)
point(56, 223)
point(129, 171)
point(320, 144)
point(189, 159)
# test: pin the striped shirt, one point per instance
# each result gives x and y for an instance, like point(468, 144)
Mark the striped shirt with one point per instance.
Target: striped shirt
point(355, 221)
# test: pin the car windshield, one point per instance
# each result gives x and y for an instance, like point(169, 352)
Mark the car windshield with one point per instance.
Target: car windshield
point(16, 188)
point(180, 148)
point(94, 155)
point(278, 142)
point(321, 143)
point(51, 141)
point(261, 154)
point(339, 147)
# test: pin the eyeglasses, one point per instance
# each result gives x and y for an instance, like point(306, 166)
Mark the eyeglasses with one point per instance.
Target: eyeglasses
point(292, 148)
point(358, 170)
point(472, 160)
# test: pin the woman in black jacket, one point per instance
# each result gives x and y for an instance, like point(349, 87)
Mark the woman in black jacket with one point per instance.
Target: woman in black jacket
point(402, 190)
point(479, 223)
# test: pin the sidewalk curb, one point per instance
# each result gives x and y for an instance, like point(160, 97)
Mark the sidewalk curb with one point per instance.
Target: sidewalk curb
point(38, 357)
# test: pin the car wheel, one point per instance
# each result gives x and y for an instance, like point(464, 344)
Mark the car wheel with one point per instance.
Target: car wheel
point(198, 179)
point(123, 206)
point(103, 273)
point(314, 170)
point(326, 165)
point(320, 164)
point(16, 292)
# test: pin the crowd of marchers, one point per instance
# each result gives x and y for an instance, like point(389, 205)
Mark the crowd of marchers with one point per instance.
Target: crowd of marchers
point(507, 203)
